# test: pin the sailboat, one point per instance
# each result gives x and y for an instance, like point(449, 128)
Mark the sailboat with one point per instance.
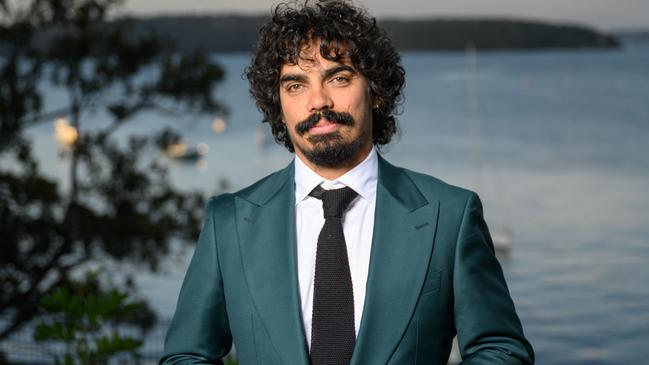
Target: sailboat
point(502, 237)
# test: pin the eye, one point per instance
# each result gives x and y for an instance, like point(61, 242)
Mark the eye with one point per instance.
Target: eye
point(294, 87)
point(340, 80)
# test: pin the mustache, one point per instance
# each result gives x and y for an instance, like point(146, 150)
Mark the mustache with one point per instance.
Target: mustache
point(341, 118)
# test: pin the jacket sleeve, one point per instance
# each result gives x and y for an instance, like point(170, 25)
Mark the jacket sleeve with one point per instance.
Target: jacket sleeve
point(199, 332)
point(488, 329)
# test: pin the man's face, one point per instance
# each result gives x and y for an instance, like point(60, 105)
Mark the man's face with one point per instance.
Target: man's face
point(327, 108)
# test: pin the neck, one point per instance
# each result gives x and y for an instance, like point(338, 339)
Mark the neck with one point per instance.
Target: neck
point(332, 173)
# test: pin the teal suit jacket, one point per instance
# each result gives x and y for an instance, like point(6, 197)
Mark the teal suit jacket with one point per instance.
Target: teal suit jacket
point(432, 274)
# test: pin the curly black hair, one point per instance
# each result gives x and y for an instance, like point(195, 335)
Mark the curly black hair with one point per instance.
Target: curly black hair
point(343, 30)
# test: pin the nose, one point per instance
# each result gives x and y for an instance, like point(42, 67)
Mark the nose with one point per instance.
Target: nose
point(319, 99)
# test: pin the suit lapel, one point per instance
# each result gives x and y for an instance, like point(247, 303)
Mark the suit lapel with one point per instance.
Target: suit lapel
point(266, 228)
point(404, 229)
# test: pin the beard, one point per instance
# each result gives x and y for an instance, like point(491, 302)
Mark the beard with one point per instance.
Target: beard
point(330, 150)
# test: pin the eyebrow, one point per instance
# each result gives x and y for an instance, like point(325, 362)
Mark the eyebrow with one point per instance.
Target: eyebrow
point(291, 77)
point(327, 74)
point(340, 68)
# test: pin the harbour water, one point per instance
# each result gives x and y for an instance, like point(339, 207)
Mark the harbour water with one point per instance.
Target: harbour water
point(560, 159)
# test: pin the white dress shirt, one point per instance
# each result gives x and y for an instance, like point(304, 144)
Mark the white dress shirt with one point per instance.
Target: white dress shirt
point(358, 225)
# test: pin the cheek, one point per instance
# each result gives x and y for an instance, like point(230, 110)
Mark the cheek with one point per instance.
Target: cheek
point(356, 106)
point(291, 111)
point(362, 109)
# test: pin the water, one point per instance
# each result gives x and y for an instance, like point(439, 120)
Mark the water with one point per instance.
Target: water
point(562, 160)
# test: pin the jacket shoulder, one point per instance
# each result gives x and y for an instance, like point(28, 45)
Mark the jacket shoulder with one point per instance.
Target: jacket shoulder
point(436, 189)
point(258, 192)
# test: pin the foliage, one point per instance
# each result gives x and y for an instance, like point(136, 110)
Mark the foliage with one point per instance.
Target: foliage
point(118, 204)
point(78, 314)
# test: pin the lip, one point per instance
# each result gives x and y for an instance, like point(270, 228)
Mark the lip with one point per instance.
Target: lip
point(324, 127)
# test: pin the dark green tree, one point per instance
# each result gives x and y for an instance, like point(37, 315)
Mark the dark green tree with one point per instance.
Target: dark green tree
point(93, 324)
point(119, 204)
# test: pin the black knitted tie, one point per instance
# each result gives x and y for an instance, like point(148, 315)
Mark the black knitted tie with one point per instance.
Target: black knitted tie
point(332, 329)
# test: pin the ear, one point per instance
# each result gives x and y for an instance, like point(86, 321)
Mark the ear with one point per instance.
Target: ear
point(376, 102)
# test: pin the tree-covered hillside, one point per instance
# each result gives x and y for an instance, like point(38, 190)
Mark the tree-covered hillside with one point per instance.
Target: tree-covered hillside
point(236, 33)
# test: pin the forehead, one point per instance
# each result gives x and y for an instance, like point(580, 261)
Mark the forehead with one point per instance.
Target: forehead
point(309, 58)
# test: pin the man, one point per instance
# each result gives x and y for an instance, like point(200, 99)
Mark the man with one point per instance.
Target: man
point(341, 257)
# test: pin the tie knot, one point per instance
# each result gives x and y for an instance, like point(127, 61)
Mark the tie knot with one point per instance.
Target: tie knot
point(335, 201)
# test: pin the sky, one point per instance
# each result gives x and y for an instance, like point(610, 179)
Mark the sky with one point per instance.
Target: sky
point(601, 14)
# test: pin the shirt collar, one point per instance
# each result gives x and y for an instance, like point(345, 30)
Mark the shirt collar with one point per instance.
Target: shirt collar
point(362, 178)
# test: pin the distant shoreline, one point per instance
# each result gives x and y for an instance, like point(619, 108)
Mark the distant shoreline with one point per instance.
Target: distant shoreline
point(238, 33)
point(635, 36)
